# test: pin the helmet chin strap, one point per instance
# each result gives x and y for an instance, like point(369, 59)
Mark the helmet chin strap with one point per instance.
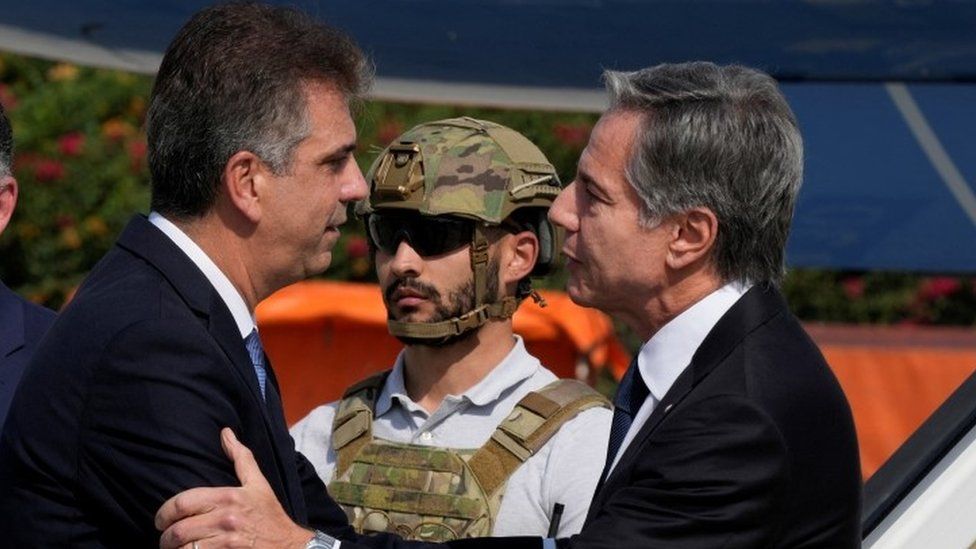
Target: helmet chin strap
point(471, 320)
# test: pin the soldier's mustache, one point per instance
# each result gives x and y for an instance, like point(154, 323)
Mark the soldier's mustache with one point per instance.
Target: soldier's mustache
point(425, 290)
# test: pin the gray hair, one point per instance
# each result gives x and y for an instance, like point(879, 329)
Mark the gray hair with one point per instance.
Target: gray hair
point(720, 137)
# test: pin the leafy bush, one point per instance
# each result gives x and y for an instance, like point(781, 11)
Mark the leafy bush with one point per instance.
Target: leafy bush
point(80, 161)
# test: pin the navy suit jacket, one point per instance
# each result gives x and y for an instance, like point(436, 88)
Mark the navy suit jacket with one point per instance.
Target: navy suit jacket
point(753, 446)
point(123, 403)
point(22, 324)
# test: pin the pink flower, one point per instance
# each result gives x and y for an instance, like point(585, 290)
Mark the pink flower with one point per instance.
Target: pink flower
point(853, 287)
point(137, 154)
point(938, 287)
point(47, 170)
point(388, 131)
point(71, 144)
point(356, 247)
point(572, 135)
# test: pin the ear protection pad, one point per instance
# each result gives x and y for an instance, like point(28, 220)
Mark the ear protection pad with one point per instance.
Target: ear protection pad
point(550, 240)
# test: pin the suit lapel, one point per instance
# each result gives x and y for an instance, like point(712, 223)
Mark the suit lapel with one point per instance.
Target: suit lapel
point(753, 309)
point(11, 322)
point(224, 330)
point(681, 387)
point(143, 239)
point(285, 444)
point(228, 336)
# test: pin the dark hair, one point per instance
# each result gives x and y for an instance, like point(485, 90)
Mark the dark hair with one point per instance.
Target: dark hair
point(6, 145)
point(722, 137)
point(233, 80)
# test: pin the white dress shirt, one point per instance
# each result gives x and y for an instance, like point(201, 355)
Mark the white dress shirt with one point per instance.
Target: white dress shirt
point(228, 293)
point(669, 351)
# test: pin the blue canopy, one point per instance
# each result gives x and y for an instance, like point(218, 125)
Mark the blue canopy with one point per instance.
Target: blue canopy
point(884, 90)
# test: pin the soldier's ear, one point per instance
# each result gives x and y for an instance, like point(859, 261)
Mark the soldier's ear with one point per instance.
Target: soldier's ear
point(519, 254)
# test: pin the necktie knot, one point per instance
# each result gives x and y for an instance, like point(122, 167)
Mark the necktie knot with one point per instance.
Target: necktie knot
point(256, 351)
point(631, 392)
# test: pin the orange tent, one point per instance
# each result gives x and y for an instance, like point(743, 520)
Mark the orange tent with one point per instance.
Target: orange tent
point(323, 336)
point(894, 378)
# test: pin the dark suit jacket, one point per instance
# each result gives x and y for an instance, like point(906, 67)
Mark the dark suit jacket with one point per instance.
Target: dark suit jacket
point(123, 403)
point(753, 446)
point(22, 324)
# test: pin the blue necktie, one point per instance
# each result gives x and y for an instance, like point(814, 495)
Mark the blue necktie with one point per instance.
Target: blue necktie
point(631, 394)
point(254, 348)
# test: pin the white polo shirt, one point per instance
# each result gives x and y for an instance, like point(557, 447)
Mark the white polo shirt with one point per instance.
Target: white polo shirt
point(565, 470)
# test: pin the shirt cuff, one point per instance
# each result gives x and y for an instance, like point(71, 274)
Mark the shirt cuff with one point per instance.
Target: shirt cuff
point(548, 543)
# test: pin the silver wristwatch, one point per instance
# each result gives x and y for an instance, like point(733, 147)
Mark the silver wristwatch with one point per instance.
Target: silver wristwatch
point(321, 541)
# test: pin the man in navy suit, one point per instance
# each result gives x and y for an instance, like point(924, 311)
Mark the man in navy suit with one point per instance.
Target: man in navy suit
point(251, 154)
point(729, 428)
point(22, 323)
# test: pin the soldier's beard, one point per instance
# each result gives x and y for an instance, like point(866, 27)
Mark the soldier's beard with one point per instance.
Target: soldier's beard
point(459, 302)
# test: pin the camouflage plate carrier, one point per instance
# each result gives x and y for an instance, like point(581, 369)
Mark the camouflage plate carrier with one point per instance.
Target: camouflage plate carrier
point(440, 494)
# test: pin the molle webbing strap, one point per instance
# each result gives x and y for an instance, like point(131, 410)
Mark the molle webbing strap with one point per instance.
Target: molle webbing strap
point(352, 427)
point(407, 501)
point(427, 458)
point(532, 423)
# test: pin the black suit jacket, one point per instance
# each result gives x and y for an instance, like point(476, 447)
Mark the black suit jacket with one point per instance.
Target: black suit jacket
point(122, 406)
point(753, 446)
point(22, 324)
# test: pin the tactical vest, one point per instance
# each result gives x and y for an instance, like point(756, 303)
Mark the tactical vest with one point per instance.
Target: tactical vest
point(440, 494)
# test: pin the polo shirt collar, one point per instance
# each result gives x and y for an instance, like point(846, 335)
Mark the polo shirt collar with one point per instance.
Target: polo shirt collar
point(516, 367)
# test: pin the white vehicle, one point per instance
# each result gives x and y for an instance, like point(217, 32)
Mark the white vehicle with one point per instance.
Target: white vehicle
point(925, 495)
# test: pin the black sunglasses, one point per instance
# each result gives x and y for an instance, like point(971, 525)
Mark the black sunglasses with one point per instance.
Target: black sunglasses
point(426, 235)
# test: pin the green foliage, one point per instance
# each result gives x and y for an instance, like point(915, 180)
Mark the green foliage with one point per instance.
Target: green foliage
point(881, 297)
point(80, 162)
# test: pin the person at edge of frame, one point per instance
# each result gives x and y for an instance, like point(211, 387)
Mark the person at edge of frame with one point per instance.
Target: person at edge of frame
point(22, 323)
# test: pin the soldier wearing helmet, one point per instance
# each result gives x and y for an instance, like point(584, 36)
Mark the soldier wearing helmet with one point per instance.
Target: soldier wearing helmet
point(468, 435)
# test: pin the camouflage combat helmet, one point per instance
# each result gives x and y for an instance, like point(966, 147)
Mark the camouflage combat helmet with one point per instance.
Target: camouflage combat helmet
point(470, 169)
